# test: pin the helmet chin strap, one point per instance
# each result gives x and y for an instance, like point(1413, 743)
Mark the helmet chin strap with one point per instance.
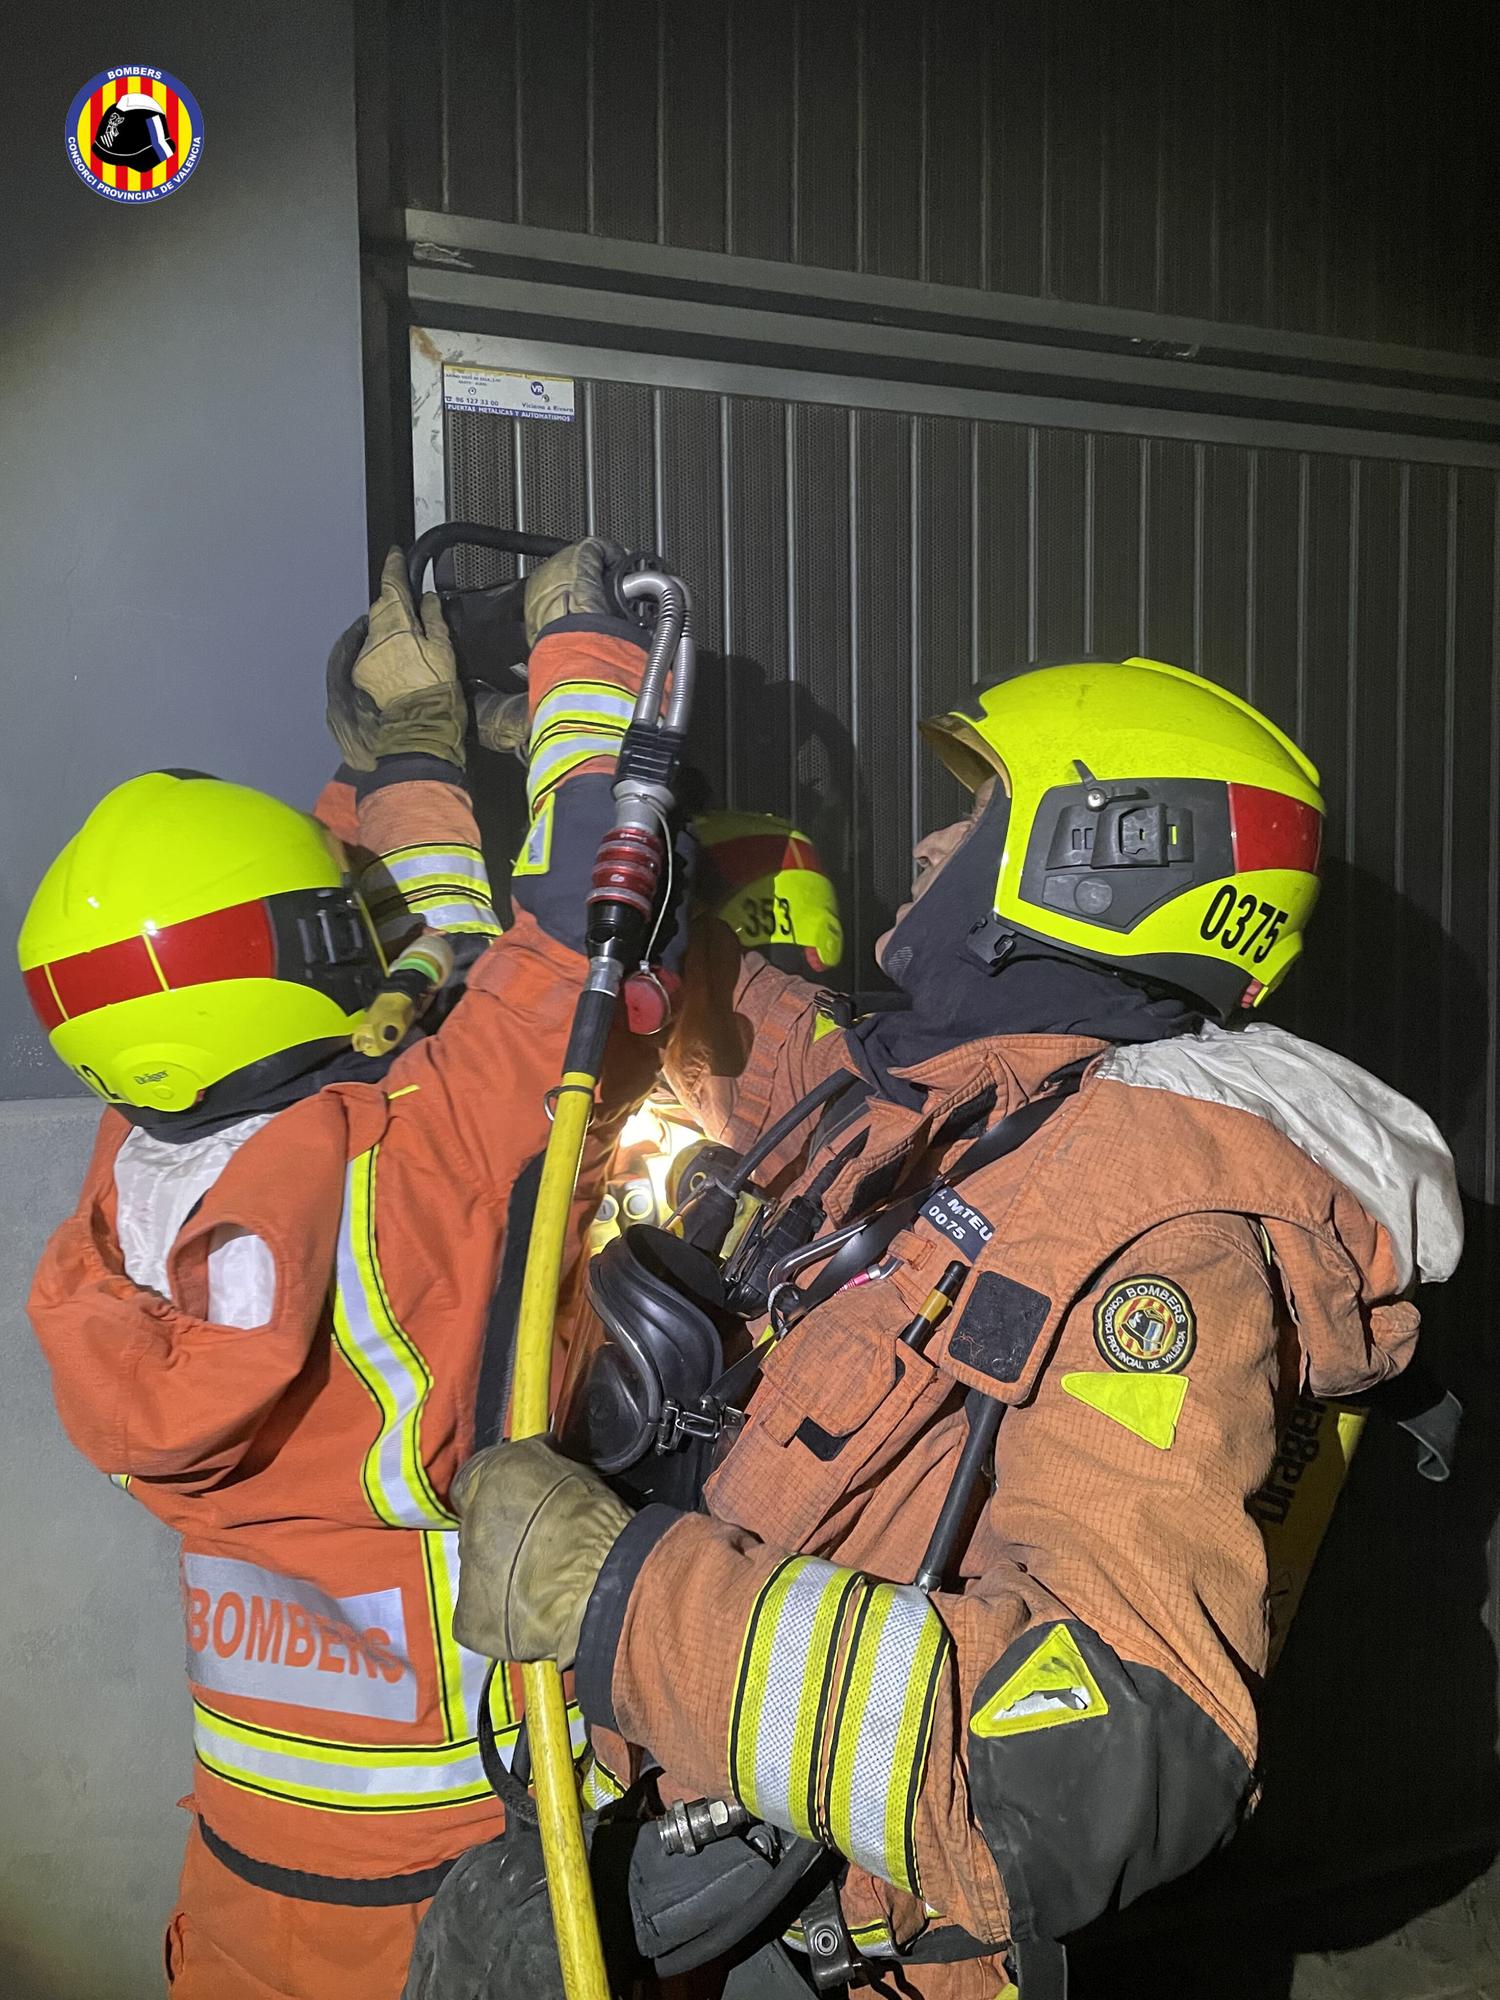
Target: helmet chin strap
point(992, 941)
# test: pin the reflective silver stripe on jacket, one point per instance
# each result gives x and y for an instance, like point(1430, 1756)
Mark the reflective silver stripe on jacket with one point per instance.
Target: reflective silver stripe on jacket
point(351, 1777)
point(388, 1362)
point(832, 1714)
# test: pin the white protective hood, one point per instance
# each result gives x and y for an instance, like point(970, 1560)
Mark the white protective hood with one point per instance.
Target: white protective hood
point(1381, 1146)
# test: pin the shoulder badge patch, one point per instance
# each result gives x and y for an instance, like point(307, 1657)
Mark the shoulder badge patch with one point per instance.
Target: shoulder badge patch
point(1145, 1326)
point(1052, 1685)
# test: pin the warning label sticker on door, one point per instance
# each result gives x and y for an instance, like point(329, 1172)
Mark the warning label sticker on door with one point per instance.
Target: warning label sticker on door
point(505, 392)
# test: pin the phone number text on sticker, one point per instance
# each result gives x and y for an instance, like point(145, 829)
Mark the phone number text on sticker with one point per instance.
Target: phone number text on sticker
point(506, 392)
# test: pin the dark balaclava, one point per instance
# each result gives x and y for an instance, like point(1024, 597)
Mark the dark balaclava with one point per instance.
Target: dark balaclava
point(1038, 990)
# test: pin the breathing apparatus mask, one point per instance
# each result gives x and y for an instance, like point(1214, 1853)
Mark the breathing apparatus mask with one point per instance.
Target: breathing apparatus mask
point(648, 1400)
point(638, 1404)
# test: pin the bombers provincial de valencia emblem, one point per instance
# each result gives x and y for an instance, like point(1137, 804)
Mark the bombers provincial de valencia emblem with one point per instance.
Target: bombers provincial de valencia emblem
point(1145, 1326)
point(134, 135)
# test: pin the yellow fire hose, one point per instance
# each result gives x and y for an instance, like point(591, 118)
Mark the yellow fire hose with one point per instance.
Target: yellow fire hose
point(622, 904)
point(571, 1892)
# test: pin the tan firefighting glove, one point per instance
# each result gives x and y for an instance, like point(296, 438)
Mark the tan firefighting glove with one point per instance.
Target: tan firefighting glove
point(393, 685)
point(571, 584)
point(534, 1530)
point(352, 717)
point(502, 721)
point(408, 669)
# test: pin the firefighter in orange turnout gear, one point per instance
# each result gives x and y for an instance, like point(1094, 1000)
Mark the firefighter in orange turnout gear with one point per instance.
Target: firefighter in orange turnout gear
point(1171, 1224)
point(266, 1315)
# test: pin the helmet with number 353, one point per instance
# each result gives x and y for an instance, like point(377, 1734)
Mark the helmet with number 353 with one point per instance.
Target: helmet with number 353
point(1158, 824)
point(765, 880)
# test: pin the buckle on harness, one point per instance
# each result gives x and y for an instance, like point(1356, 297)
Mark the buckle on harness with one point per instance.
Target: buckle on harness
point(706, 1420)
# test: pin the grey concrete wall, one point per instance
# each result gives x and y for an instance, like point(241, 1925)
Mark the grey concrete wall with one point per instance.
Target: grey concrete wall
point(94, 1720)
point(181, 534)
point(181, 452)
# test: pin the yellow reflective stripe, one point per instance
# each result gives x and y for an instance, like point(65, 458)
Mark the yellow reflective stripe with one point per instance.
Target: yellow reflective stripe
point(333, 1749)
point(563, 756)
point(377, 1348)
point(593, 704)
point(461, 1674)
point(600, 1786)
point(340, 1777)
point(443, 914)
point(908, 1765)
point(441, 1596)
point(859, 1675)
point(882, 1728)
point(453, 862)
point(444, 883)
point(504, 1705)
point(351, 1777)
point(783, 1690)
point(750, 1683)
point(576, 721)
point(120, 1479)
point(817, 1690)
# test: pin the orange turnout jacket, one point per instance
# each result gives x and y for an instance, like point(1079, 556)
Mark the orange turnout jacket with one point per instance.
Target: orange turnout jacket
point(1207, 1226)
point(273, 1336)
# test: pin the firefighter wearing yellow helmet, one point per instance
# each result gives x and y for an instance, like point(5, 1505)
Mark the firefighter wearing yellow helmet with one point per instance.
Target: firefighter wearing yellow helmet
point(266, 1316)
point(1155, 824)
point(1006, 1670)
point(194, 930)
point(764, 879)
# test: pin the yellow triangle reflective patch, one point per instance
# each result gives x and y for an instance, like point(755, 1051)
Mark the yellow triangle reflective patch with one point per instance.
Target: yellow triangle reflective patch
point(1053, 1686)
point(1149, 1405)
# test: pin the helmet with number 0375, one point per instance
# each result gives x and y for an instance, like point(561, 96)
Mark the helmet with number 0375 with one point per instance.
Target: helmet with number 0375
point(190, 929)
point(765, 880)
point(1158, 824)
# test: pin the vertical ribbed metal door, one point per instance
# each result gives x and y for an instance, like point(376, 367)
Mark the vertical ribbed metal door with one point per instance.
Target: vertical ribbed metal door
point(855, 569)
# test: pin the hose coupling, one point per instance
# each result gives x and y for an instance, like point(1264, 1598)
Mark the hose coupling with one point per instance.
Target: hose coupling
point(690, 1826)
point(628, 869)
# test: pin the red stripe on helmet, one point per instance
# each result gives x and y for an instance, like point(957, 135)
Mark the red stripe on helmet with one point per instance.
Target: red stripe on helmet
point(102, 978)
point(747, 857)
point(237, 943)
point(43, 999)
point(1271, 830)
